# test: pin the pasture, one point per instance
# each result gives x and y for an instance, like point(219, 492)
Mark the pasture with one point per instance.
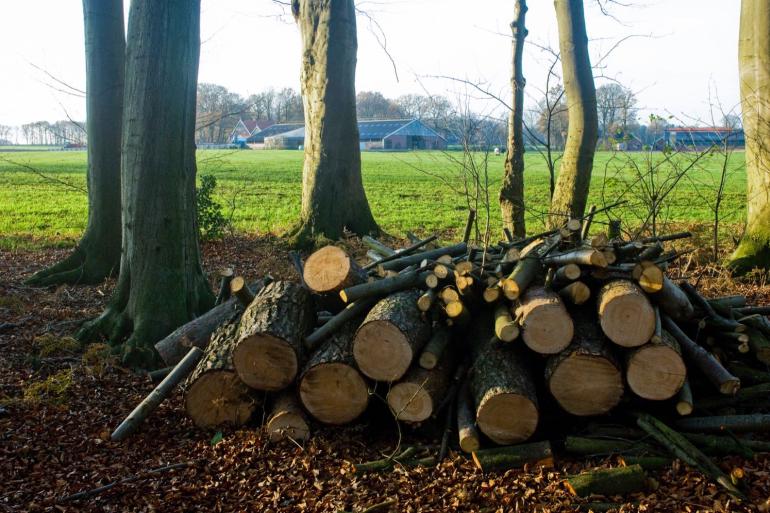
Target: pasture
point(43, 203)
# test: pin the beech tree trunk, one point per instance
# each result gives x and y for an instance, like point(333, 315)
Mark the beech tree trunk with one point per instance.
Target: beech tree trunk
point(97, 255)
point(161, 283)
point(333, 196)
point(754, 70)
point(571, 194)
point(512, 189)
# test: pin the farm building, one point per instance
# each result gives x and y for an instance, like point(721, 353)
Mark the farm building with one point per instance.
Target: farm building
point(399, 134)
point(698, 138)
point(245, 128)
point(259, 137)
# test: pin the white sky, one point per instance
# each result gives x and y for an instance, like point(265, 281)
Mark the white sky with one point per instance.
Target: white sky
point(692, 51)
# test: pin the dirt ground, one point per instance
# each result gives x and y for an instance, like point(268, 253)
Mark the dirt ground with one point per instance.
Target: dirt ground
point(62, 402)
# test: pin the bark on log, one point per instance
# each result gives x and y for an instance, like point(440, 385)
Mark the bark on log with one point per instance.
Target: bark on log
point(576, 293)
point(417, 396)
point(330, 269)
point(580, 256)
point(214, 394)
point(748, 373)
point(527, 268)
point(270, 348)
point(758, 395)
point(684, 403)
point(350, 312)
point(589, 446)
point(500, 459)
point(383, 287)
point(608, 481)
point(625, 314)
point(390, 338)
point(566, 274)
point(546, 326)
point(585, 378)
point(331, 388)
point(287, 421)
point(467, 434)
point(405, 261)
point(435, 348)
point(378, 246)
point(656, 370)
point(727, 423)
point(705, 361)
point(502, 388)
point(673, 301)
point(506, 328)
point(241, 291)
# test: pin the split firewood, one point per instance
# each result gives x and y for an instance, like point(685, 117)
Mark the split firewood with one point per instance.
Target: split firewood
point(214, 394)
point(585, 378)
point(391, 337)
point(287, 421)
point(546, 326)
point(270, 337)
point(656, 370)
point(625, 314)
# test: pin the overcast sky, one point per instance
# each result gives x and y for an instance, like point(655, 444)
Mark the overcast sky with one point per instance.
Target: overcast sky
point(682, 51)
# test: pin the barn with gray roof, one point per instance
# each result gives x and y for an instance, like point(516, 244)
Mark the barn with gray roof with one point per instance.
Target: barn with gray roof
point(391, 134)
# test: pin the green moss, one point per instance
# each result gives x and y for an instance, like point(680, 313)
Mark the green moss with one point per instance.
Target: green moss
point(51, 345)
point(751, 254)
point(54, 390)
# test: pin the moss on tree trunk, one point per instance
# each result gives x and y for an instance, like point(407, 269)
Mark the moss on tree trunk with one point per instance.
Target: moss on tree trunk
point(97, 255)
point(161, 283)
point(571, 193)
point(333, 196)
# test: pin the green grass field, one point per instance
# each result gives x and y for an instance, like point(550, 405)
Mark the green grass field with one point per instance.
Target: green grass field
point(420, 191)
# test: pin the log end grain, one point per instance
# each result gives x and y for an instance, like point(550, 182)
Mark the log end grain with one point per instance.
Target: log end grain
point(286, 421)
point(410, 402)
point(507, 418)
point(655, 372)
point(547, 327)
point(265, 362)
point(328, 270)
point(219, 398)
point(382, 351)
point(625, 314)
point(334, 393)
point(585, 384)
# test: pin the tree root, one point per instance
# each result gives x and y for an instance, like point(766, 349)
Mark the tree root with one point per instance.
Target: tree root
point(76, 269)
point(751, 254)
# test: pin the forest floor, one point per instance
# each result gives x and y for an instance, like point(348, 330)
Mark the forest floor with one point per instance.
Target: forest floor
point(60, 403)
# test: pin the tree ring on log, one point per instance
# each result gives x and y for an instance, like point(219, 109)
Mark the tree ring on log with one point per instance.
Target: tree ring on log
point(625, 314)
point(410, 402)
point(217, 398)
point(265, 362)
point(382, 351)
point(547, 330)
point(334, 393)
point(656, 372)
point(585, 384)
point(507, 418)
point(327, 269)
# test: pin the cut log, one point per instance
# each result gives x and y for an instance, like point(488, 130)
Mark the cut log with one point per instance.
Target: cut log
point(705, 361)
point(566, 274)
point(350, 312)
point(391, 337)
point(331, 388)
point(287, 421)
point(378, 246)
point(492, 294)
point(457, 313)
point(214, 394)
point(500, 459)
point(649, 276)
point(527, 268)
point(383, 287)
point(757, 422)
point(241, 291)
point(576, 293)
point(197, 332)
point(467, 434)
point(270, 337)
point(405, 261)
point(449, 294)
point(656, 370)
point(581, 256)
point(588, 446)
point(225, 277)
point(506, 328)
point(625, 314)
point(417, 396)
point(684, 404)
point(673, 301)
point(546, 326)
point(757, 395)
point(502, 388)
point(608, 481)
point(585, 378)
point(435, 348)
point(330, 269)
point(425, 301)
point(748, 373)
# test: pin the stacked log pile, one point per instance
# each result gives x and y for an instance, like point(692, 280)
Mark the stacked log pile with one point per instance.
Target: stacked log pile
point(489, 335)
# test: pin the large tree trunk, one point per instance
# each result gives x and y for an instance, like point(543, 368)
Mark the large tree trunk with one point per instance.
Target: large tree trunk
point(333, 196)
point(97, 255)
point(754, 68)
point(571, 192)
point(512, 189)
point(161, 284)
